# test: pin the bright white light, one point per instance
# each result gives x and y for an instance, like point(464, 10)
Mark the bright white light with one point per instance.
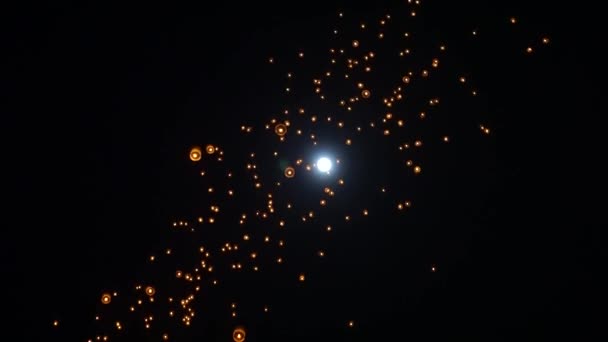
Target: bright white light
point(324, 164)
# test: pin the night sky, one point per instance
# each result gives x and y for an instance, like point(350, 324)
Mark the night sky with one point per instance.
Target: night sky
point(466, 198)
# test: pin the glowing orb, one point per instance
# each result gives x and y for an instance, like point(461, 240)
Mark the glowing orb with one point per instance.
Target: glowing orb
point(238, 335)
point(366, 94)
point(106, 298)
point(290, 172)
point(150, 291)
point(195, 154)
point(280, 129)
point(324, 164)
point(210, 149)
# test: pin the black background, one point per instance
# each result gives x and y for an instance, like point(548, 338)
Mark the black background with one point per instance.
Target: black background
point(104, 100)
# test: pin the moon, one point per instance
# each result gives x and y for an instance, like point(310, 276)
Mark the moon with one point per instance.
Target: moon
point(324, 164)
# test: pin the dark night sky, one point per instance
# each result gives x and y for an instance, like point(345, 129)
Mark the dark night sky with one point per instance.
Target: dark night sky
point(105, 101)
